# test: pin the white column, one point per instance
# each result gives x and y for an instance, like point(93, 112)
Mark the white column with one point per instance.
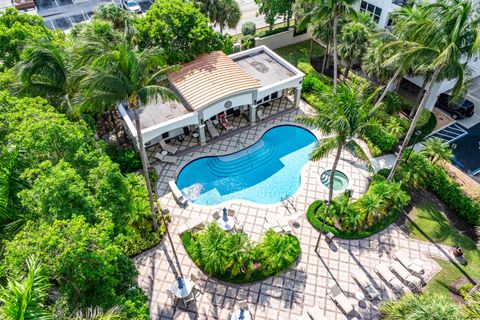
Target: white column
point(296, 97)
point(253, 114)
point(201, 134)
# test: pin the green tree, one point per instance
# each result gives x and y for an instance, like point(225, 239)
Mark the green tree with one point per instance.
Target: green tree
point(420, 307)
point(277, 251)
point(449, 34)
point(97, 313)
point(88, 266)
point(178, 27)
point(332, 10)
point(353, 43)
point(437, 149)
point(221, 12)
point(112, 13)
point(24, 298)
point(273, 9)
point(125, 74)
point(342, 117)
point(16, 29)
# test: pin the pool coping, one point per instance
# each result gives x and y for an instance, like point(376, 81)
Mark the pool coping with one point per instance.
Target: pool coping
point(303, 176)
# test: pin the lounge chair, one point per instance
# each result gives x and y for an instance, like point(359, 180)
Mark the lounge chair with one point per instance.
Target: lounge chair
point(164, 158)
point(225, 123)
point(315, 313)
point(167, 147)
point(412, 281)
point(305, 316)
point(231, 213)
point(272, 223)
point(341, 300)
point(366, 285)
point(216, 215)
point(283, 222)
point(182, 229)
point(404, 259)
point(386, 274)
point(260, 114)
point(211, 128)
point(177, 194)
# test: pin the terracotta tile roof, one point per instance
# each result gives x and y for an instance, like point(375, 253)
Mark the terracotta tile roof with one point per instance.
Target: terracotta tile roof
point(209, 78)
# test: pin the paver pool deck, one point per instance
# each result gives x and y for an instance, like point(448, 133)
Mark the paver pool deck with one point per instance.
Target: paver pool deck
point(289, 294)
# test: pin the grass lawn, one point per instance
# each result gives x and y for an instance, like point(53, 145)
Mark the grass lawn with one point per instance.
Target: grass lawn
point(436, 226)
point(300, 51)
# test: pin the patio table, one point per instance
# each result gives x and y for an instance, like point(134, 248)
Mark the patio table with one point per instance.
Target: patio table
point(226, 222)
point(181, 287)
point(241, 314)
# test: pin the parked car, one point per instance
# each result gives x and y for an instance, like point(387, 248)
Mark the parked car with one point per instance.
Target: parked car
point(132, 6)
point(457, 110)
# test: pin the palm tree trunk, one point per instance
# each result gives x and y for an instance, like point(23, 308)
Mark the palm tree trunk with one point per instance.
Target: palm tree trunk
point(335, 58)
point(417, 100)
point(428, 91)
point(311, 48)
point(388, 87)
point(330, 192)
point(141, 148)
point(325, 57)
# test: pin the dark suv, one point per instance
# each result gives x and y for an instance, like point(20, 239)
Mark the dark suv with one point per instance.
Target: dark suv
point(457, 110)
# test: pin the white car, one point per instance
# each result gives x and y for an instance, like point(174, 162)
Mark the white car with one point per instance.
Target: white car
point(132, 6)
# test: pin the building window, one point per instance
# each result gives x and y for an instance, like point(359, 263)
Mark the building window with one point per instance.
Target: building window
point(373, 11)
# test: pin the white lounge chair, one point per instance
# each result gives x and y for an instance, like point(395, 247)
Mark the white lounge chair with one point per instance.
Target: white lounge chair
point(260, 114)
point(167, 147)
point(283, 222)
point(211, 128)
point(386, 274)
point(305, 316)
point(272, 223)
point(165, 158)
point(412, 281)
point(315, 313)
point(404, 259)
point(177, 194)
point(366, 284)
point(337, 295)
point(182, 229)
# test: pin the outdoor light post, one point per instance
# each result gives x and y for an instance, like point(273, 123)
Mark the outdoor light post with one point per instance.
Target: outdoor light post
point(417, 134)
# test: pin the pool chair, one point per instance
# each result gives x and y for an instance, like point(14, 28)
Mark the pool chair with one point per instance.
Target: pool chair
point(167, 147)
point(177, 194)
point(260, 114)
point(272, 223)
point(365, 284)
point(224, 121)
point(413, 282)
point(341, 300)
point(211, 128)
point(315, 313)
point(216, 215)
point(283, 222)
point(412, 266)
point(386, 274)
point(164, 158)
point(231, 212)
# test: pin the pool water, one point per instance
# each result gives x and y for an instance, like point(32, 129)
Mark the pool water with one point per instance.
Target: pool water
point(340, 180)
point(263, 173)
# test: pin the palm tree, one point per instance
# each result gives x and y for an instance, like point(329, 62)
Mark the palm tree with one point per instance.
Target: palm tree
point(332, 10)
point(212, 250)
point(24, 298)
point(221, 12)
point(278, 251)
point(341, 117)
point(450, 34)
point(437, 149)
point(112, 13)
point(46, 71)
point(122, 74)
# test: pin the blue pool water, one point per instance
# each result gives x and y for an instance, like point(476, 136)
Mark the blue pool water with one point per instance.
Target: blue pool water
point(262, 173)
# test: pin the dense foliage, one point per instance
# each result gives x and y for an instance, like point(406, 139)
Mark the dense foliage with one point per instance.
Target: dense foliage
point(374, 211)
point(178, 27)
point(418, 172)
point(249, 28)
point(235, 258)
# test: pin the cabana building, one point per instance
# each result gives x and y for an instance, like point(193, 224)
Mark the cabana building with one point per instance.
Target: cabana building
point(214, 88)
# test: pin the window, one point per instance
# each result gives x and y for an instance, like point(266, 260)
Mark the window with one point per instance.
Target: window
point(373, 11)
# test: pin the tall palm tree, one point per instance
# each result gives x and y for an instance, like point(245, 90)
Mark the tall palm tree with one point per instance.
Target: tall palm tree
point(341, 117)
point(278, 251)
point(98, 314)
point(333, 10)
point(23, 299)
point(437, 149)
point(450, 35)
point(122, 74)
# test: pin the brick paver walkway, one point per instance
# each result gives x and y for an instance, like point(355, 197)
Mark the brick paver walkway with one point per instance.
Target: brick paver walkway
point(288, 295)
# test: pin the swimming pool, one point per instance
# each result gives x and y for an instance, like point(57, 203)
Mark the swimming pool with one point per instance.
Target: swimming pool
point(262, 173)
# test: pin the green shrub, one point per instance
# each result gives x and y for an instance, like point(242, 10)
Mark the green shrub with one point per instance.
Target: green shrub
point(383, 140)
point(233, 257)
point(420, 173)
point(248, 42)
point(249, 28)
point(395, 103)
point(267, 32)
point(424, 118)
point(306, 68)
point(464, 290)
point(312, 83)
point(379, 207)
point(426, 129)
point(128, 159)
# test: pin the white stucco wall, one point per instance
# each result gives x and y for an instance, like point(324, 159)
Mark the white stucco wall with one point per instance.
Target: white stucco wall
point(219, 106)
point(281, 39)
